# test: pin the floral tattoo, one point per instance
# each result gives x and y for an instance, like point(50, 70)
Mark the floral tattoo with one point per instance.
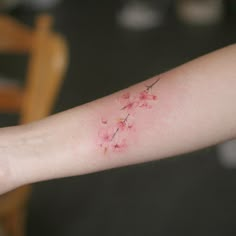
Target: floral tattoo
point(112, 134)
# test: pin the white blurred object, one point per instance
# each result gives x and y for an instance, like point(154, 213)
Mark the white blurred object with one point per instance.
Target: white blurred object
point(200, 12)
point(227, 154)
point(140, 15)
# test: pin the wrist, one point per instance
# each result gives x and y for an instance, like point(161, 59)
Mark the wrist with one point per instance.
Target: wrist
point(9, 151)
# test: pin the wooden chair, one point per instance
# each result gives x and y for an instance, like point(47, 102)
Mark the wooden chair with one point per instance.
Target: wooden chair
point(47, 65)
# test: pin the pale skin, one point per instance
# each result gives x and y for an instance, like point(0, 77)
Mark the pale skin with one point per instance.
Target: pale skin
point(182, 110)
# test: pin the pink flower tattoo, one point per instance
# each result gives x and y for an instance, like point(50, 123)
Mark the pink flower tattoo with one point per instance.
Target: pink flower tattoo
point(112, 134)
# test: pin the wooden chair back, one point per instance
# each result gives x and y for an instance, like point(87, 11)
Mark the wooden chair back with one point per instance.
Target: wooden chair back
point(48, 59)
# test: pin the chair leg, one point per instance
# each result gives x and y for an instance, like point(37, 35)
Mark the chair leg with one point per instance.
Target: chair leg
point(14, 223)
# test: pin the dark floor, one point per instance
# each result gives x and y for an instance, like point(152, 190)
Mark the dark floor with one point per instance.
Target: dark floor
point(187, 195)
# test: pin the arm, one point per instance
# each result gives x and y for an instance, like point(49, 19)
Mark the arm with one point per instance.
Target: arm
point(187, 108)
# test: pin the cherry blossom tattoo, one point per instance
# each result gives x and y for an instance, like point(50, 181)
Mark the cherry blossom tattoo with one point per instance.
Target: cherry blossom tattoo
point(112, 134)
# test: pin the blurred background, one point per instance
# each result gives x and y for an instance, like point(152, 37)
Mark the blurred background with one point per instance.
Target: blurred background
point(113, 44)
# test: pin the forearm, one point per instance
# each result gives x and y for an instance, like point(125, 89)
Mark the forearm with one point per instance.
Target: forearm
point(185, 109)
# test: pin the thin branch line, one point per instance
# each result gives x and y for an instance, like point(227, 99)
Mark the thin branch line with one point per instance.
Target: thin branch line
point(117, 130)
point(148, 87)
